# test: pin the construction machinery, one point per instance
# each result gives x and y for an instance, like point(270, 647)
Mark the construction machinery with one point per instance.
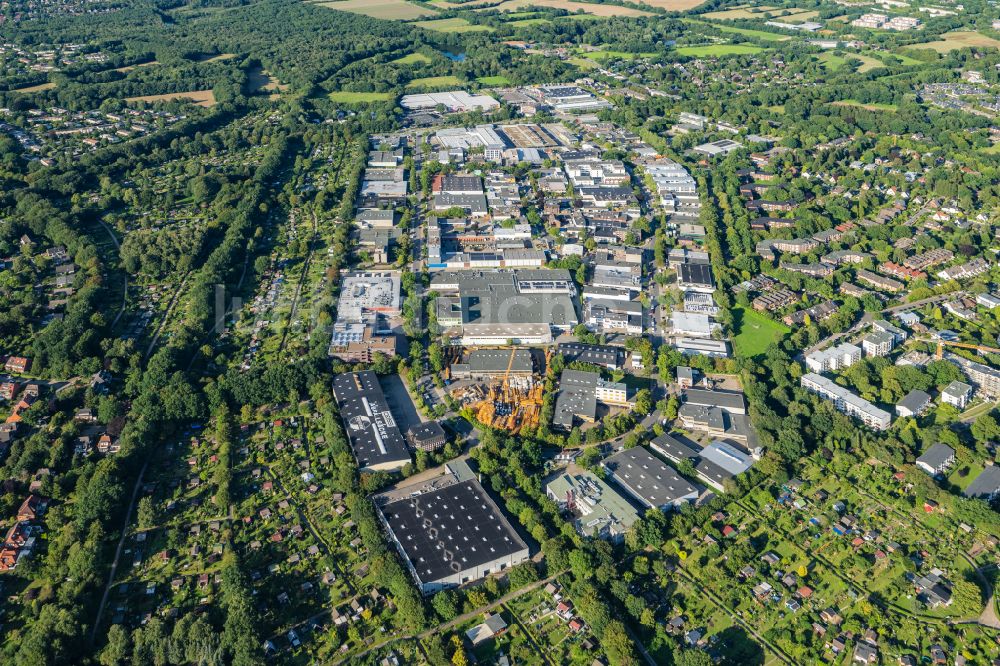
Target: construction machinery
point(982, 349)
point(508, 404)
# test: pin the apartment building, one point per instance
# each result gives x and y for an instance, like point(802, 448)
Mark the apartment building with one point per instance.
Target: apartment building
point(847, 402)
point(835, 358)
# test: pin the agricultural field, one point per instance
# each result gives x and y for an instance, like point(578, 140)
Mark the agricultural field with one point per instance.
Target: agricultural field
point(39, 88)
point(797, 16)
point(959, 39)
point(741, 13)
point(452, 25)
point(718, 50)
point(570, 5)
point(394, 10)
point(756, 332)
point(204, 98)
point(674, 5)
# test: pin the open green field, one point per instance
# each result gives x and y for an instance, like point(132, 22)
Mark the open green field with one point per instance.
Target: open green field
point(582, 63)
point(347, 97)
point(568, 5)
point(601, 56)
point(394, 10)
point(867, 62)
point(452, 25)
point(833, 62)
point(40, 87)
point(718, 50)
point(756, 332)
point(741, 13)
point(759, 34)
point(906, 60)
point(412, 59)
point(435, 81)
point(523, 23)
point(862, 105)
point(494, 80)
point(960, 39)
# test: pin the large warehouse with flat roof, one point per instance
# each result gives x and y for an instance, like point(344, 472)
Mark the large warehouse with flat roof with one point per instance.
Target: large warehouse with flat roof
point(648, 479)
point(448, 530)
point(371, 428)
point(454, 100)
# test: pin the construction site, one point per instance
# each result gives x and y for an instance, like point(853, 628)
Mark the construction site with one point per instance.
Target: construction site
point(502, 387)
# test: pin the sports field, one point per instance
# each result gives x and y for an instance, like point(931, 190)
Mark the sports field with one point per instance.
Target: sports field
point(756, 332)
point(347, 97)
point(396, 10)
point(452, 25)
point(960, 39)
point(718, 50)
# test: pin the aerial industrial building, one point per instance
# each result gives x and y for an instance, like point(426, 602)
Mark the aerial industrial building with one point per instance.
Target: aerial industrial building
point(449, 531)
point(370, 426)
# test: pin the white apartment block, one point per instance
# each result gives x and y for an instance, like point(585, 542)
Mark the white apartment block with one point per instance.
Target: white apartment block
point(878, 343)
point(847, 402)
point(842, 356)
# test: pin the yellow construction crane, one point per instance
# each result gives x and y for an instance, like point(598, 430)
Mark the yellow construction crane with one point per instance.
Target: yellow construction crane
point(964, 345)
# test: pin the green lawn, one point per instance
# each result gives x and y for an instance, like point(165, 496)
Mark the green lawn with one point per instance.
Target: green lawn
point(494, 80)
point(452, 25)
point(718, 50)
point(412, 59)
point(972, 470)
point(435, 81)
point(347, 97)
point(756, 332)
